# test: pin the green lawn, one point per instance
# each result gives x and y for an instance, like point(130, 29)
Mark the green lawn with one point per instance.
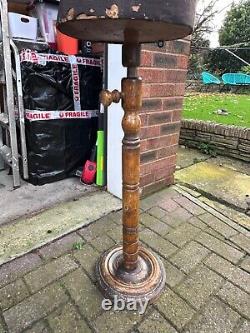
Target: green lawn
point(201, 107)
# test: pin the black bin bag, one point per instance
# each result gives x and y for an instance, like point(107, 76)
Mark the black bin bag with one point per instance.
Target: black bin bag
point(61, 100)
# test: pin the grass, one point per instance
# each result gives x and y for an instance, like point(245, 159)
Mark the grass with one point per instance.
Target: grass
point(201, 107)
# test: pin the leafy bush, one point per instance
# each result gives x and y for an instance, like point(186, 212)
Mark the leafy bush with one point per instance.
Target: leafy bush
point(246, 69)
point(235, 30)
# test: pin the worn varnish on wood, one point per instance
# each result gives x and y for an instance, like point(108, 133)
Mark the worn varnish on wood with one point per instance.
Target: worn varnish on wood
point(107, 20)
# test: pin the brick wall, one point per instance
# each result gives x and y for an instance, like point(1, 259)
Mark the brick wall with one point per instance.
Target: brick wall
point(225, 140)
point(164, 73)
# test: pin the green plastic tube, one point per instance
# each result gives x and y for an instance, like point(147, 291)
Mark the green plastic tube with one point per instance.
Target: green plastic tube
point(100, 159)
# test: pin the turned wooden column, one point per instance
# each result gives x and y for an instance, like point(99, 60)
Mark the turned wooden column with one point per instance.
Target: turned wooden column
point(131, 97)
point(130, 271)
point(131, 124)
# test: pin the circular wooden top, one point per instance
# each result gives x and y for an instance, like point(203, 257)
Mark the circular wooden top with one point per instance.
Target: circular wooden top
point(120, 21)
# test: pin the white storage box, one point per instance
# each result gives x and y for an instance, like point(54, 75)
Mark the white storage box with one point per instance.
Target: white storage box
point(22, 26)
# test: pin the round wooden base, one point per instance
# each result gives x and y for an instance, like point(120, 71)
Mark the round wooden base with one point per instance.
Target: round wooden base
point(146, 282)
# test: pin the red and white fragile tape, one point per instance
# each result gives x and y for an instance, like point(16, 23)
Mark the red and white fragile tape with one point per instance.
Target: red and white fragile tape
point(33, 115)
point(76, 83)
point(43, 58)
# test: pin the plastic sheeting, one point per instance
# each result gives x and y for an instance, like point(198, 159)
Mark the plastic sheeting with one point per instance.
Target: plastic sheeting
point(61, 98)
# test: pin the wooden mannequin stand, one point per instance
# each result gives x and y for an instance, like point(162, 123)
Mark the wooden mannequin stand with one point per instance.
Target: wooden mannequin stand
point(130, 272)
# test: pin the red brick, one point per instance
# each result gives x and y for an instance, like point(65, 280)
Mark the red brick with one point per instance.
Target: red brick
point(160, 118)
point(146, 91)
point(151, 104)
point(146, 58)
point(175, 138)
point(172, 103)
point(179, 89)
point(154, 47)
point(164, 73)
point(164, 173)
point(170, 75)
point(144, 145)
point(181, 76)
point(162, 90)
point(182, 62)
point(165, 60)
point(175, 75)
point(179, 46)
point(143, 170)
point(144, 119)
point(147, 179)
point(157, 186)
point(153, 167)
point(166, 151)
point(148, 157)
point(152, 75)
point(162, 153)
point(150, 132)
point(163, 141)
point(170, 128)
point(177, 115)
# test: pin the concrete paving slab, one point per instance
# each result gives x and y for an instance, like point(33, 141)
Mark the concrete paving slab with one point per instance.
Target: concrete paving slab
point(27, 234)
point(231, 163)
point(187, 157)
point(29, 199)
point(219, 182)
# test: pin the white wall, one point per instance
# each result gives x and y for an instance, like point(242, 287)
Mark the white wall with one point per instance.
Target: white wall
point(115, 73)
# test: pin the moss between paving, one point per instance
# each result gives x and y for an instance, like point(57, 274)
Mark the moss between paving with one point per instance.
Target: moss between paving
point(33, 232)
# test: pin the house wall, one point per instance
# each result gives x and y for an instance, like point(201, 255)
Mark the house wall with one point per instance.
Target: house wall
point(164, 73)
